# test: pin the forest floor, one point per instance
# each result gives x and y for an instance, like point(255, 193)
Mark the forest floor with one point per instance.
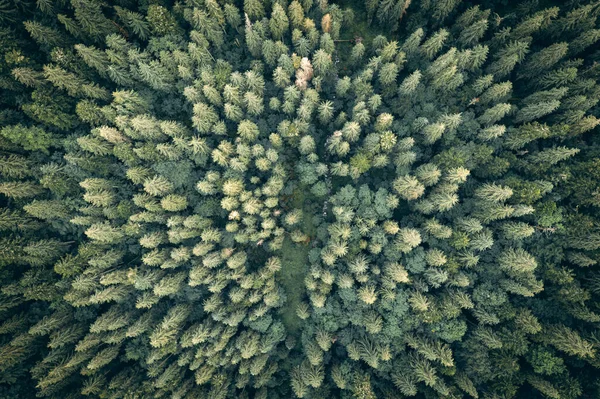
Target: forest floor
point(295, 263)
point(359, 28)
point(294, 268)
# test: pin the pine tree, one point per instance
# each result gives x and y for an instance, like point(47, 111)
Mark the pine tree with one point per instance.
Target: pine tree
point(254, 9)
point(569, 341)
point(494, 193)
point(507, 58)
point(517, 260)
point(472, 34)
point(542, 160)
point(433, 45)
point(536, 111)
point(44, 35)
point(279, 23)
point(544, 59)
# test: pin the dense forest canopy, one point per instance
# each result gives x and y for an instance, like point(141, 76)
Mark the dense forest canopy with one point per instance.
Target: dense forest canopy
point(313, 199)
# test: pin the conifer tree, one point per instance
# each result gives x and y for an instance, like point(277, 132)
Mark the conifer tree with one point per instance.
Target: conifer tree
point(192, 208)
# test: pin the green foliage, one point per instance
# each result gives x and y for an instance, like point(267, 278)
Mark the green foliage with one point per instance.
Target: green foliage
point(160, 20)
point(29, 138)
point(276, 199)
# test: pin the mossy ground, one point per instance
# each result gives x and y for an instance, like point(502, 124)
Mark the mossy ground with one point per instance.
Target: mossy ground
point(359, 28)
point(293, 270)
point(294, 265)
